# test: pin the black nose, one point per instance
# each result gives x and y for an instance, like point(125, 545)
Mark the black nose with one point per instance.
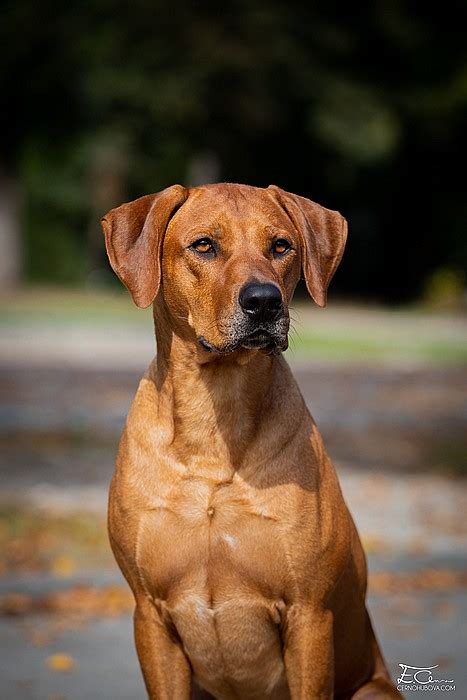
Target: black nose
point(262, 302)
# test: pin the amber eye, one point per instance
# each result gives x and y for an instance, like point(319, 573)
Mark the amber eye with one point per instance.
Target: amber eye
point(280, 246)
point(203, 246)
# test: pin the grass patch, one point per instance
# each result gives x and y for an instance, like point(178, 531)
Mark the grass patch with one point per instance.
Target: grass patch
point(338, 348)
point(339, 334)
point(57, 306)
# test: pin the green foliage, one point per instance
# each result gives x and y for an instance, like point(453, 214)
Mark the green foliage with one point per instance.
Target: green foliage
point(355, 124)
point(445, 289)
point(362, 109)
point(55, 191)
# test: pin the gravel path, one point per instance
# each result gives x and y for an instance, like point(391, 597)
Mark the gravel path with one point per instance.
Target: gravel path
point(397, 434)
point(413, 629)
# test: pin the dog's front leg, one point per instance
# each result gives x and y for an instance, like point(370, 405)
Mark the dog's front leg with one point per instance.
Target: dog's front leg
point(309, 653)
point(166, 670)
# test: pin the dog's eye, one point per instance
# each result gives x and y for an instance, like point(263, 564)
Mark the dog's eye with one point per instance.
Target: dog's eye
point(280, 246)
point(203, 245)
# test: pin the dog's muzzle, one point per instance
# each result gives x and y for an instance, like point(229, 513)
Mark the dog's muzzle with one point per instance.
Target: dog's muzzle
point(261, 322)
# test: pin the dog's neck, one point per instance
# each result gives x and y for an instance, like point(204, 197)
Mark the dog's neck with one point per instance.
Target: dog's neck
point(218, 404)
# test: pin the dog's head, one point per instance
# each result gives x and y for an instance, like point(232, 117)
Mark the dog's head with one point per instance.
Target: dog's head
point(226, 259)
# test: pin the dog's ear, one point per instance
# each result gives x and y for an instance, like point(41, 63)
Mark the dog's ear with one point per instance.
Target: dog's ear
point(323, 235)
point(133, 238)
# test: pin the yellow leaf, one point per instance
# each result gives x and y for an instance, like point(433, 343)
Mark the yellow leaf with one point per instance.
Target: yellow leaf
point(63, 565)
point(373, 544)
point(60, 662)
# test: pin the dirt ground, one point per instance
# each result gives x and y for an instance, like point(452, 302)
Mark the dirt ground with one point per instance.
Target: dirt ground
point(395, 427)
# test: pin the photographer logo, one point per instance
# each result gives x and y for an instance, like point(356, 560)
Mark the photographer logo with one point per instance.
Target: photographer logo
point(421, 678)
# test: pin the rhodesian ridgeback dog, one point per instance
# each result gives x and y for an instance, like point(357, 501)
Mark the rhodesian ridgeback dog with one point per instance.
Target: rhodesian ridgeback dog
point(225, 512)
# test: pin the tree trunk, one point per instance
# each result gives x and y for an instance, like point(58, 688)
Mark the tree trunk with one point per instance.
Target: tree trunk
point(11, 248)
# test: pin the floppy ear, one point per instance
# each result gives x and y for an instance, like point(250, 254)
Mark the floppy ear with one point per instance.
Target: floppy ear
point(133, 238)
point(323, 233)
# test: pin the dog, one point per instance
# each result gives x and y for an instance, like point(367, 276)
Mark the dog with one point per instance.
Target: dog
point(225, 512)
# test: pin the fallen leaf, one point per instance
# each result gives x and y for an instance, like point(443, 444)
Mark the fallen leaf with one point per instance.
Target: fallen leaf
point(373, 544)
point(60, 662)
point(63, 566)
point(424, 580)
point(85, 601)
point(16, 603)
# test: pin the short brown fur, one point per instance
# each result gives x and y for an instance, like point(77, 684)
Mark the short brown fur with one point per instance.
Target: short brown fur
point(225, 513)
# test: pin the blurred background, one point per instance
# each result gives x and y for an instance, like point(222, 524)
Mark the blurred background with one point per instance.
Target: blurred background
point(362, 108)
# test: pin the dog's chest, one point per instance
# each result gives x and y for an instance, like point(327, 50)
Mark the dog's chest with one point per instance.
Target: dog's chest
point(213, 560)
point(212, 538)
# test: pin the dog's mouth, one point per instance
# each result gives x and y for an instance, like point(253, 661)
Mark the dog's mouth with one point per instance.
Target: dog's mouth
point(270, 343)
point(240, 333)
point(259, 339)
